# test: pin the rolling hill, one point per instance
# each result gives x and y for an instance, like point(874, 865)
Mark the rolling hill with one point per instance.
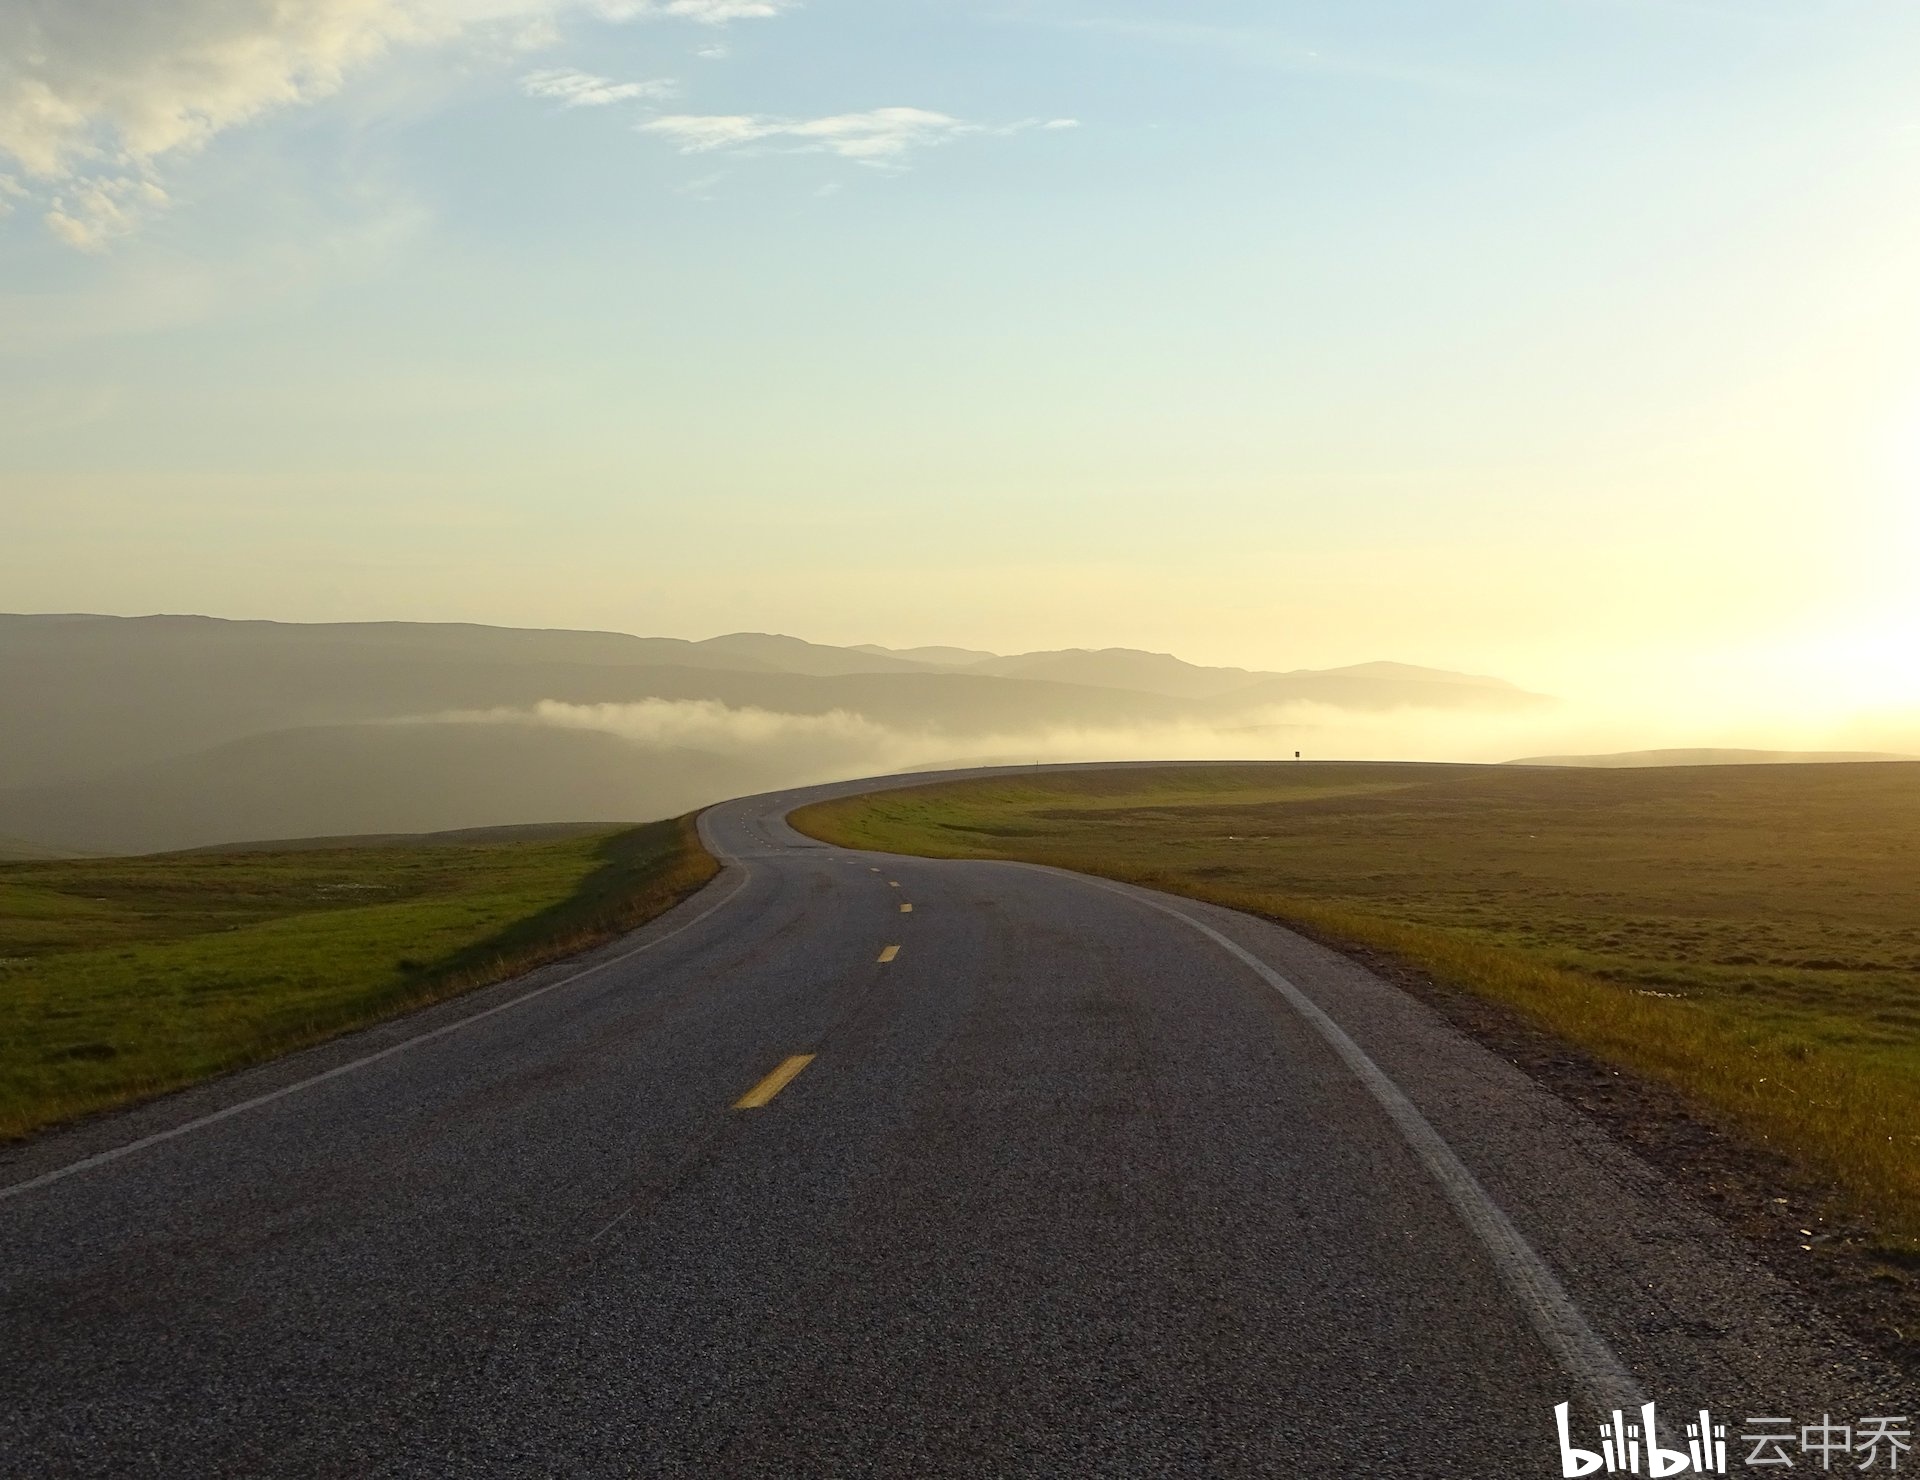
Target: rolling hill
point(1362, 686)
point(19, 850)
point(938, 657)
point(1631, 758)
point(180, 731)
point(380, 778)
point(1122, 668)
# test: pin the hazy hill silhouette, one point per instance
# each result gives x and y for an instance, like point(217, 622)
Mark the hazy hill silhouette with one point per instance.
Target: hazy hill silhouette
point(383, 778)
point(1362, 686)
point(1121, 668)
point(159, 732)
point(15, 850)
point(1710, 757)
point(939, 657)
point(796, 655)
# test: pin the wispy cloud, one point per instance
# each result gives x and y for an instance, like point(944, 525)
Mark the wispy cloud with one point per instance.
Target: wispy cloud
point(574, 89)
point(881, 137)
point(97, 95)
point(92, 83)
point(706, 12)
point(702, 188)
point(93, 212)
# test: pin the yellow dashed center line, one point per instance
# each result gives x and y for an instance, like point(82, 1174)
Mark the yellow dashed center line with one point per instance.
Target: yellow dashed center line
point(906, 909)
point(889, 953)
point(893, 883)
point(778, 1080)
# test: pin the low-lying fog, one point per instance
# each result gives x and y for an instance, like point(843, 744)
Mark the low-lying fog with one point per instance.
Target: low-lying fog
point(812, 747)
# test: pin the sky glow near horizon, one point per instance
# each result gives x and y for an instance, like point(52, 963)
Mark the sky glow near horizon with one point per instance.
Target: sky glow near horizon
point(1575, 342)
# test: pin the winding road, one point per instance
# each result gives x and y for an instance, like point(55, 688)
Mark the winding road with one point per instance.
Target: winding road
point(864, 1165)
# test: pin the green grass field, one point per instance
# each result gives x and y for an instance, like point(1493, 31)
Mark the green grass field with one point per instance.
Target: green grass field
point(1748, 934)
point(121, 978)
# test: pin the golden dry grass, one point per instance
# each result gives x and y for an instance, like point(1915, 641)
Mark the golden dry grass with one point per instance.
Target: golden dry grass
point(1748, 935)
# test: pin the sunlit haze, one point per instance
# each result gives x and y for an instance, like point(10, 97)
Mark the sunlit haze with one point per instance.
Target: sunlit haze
point(1576, 343)
point(953, 738)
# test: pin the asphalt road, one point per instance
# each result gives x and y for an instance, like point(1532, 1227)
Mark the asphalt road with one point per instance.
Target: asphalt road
point(1078, 1180)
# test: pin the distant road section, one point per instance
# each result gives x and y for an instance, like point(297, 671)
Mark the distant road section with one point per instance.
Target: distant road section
point(1041, 1176)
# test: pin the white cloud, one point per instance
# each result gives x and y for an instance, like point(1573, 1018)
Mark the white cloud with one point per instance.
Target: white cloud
point(103, 91)
point(575, 89)
point(84, 82)
point(94, 212)
point(702, 188)
point(706, 12)
point(538, 34)
point(697, 134)
point(881, 136)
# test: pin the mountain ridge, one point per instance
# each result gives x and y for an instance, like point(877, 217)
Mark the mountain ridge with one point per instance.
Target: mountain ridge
point(174, 730)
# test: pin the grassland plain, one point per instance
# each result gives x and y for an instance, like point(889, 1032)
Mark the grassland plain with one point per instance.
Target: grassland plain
point(1749, 936)
point(122, 978)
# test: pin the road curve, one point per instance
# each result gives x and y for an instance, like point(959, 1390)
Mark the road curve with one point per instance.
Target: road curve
point(1041, 1176)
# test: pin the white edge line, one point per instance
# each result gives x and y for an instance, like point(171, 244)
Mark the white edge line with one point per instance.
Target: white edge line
point(1580, 1350)
point(100, 1159)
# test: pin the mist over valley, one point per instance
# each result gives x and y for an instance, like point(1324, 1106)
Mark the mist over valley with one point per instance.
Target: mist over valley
point(166, 732)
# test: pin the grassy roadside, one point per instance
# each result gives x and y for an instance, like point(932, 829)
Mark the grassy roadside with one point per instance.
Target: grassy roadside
point(124, 978)
point(1746, 935)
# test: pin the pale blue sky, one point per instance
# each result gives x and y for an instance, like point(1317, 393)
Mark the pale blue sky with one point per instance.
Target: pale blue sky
point(1541, 336)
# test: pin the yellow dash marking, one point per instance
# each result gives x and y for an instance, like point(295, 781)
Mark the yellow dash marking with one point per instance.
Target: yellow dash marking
point(889, 953)
point(906, 909)
point(893, 883)
point(778, 1080)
